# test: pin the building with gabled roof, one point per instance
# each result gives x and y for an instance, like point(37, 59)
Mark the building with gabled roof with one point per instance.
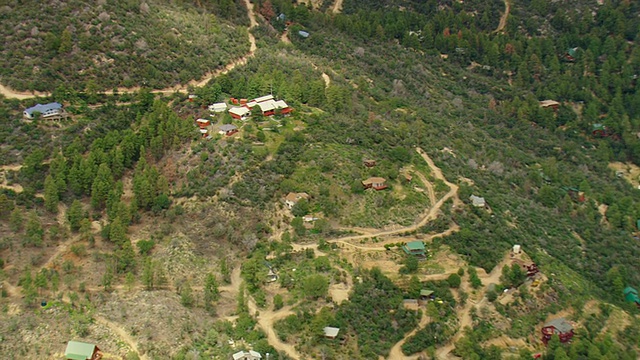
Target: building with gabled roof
point(228, 129)
point(477, 201)
point(240, 112)
point(218, 107)
point(247, 355)
point(263, 98)
point(52, 110)
point(77, 350)
point(414, 248)
point(292, 198)
point(631, 296)
point(560, 327)
point(377, 183)
point(550, 104)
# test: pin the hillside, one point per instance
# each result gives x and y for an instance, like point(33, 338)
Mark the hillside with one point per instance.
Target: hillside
point(73, 45)
point(122, 225)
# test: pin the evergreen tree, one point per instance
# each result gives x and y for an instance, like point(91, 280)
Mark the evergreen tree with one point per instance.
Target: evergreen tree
point(101, 186)
point(51, 194)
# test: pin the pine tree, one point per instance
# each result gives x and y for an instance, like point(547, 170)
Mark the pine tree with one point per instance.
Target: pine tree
point(211, 292)
point(75, 214)
point(51, 194)
point(102, 184)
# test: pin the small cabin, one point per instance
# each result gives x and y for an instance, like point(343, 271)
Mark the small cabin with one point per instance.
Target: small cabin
point(369, 163)
point(414, 248)
point(77, 350)
point(560, 327)
point(477, 201)
point(546, 104)
point(376, 183)
point(599, 130)
point(426, 295)
point(240, 113)
point(516, 249)
point(218, 107)
point(331, 332)
point(292, 198)
point(631, 296)
point(247, 355)
point(204, 133)
point(228, 129)
point(203, 123)
point(303, 34)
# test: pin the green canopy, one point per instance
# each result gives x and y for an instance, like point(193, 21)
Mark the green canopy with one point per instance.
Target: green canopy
point(79, 351)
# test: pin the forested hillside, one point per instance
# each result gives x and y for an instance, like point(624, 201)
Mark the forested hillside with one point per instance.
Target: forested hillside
point(110, 44)
point(127, 208)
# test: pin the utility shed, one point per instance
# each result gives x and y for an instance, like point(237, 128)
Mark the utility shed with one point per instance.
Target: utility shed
point(331, 332)
point(77, 350)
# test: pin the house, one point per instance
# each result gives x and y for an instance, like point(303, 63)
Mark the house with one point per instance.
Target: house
point(204, 132)
point(549, 104)
point(240, 112)
point(410, 304)
point(331, 332)
point(218, 107)
point(426, 295)
point(243, 101)
point(414, 248)
point(571, 54)
point(228, 129)
point(309, 218)
point(377, 183)
point(203, 123)
point(292, 198)
point(477, 201)
point(283, 108)
point(369, 163)
point(631, 296)
point(559, 327)
point(247, 355)
point(599, 130)
point(303, 34)
point(268, 107)
point(77, 350)
point(263, 98)
point(516, 249)
point(192, 97)
point(50, 111)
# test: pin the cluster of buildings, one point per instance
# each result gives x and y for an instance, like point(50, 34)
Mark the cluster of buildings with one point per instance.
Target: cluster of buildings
point(242, 111)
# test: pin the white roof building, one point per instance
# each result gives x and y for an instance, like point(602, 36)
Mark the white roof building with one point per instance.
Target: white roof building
point(247, 355)
point(268, 105)
point(280, 104)
point(218, 107)
point(240, 112)
point(331, 332)
point(264, 98)
point(477, 201)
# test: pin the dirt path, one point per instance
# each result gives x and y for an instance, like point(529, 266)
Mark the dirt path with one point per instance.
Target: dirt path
point(117, 329)
point(285, 37)
point(428, 185)
point(430, 214)
point(504, 17)
point(337, 7)
point(234, 287)
point(266, 319)
point(11, 94)
point(396, 351)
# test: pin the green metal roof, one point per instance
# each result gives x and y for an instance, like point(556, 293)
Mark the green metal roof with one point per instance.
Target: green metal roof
point(424, 292)
point(79, 351)
point(598, 127)
point(415, 245)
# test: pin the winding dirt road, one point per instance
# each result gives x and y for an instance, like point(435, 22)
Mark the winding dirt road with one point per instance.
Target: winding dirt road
point(12, 94)
point(337, 7)
point(504, 17)
point(117, 329)
point(266, 319)
point(396, 351)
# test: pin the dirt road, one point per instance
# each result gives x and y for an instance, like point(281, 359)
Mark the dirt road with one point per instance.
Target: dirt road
point(396, 351)
point(266, 319)
point(337, 7)
point(183, 88)
point(504, 17)
point(117, 329)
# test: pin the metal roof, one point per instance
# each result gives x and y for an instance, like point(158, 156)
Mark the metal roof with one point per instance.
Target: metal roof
point(77, 350)
point(331, 331)
point(43, 108)
point(560, 324)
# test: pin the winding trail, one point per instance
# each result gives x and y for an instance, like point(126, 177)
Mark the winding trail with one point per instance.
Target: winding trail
point(429, 215)
point(337, 7)
point(117, 329)
point(266, 319)
point(396, 351)
point(504, 17)
point(183, 88)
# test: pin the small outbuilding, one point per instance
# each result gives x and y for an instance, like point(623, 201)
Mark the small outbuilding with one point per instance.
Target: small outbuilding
point(516, 249)
point(477, 201)
point(331, 332)
point(410, 304)
point(303, 34)
point(247, 355)
point(203, 123)
point(369, 162)
point(549, 104)
point(426, 295)
point(228, 129)
point(292, 198)
point(77, 350)
point(631, 296)
point(218, 107)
